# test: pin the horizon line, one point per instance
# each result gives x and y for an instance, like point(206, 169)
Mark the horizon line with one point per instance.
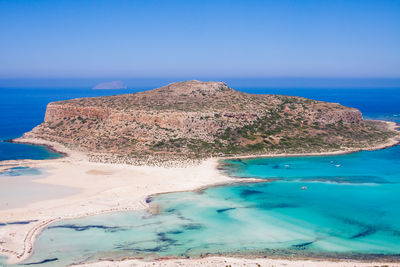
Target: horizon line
point(191, 77)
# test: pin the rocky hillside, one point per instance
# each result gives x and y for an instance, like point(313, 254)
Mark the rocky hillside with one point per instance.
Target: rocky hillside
point(199, 119)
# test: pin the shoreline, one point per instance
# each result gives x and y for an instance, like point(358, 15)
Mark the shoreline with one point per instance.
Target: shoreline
point(66, 152)
point(211, 261)
point(389, 143)
point(47, 146)
point(52, 146)
point(17, 242)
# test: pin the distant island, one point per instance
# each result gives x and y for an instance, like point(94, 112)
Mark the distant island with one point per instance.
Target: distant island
point(111, 85)
point(197, 120)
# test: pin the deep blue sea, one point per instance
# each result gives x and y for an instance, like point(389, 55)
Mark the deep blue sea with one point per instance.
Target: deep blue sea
point(349, 208)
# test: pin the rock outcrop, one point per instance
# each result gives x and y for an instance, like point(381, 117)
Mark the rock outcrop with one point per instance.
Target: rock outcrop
point(200, 119)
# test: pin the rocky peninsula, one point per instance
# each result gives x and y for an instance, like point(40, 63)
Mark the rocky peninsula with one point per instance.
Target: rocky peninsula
point(195, 120)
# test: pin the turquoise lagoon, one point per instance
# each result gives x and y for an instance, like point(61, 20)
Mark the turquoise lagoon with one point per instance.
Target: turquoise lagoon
point(349, 209)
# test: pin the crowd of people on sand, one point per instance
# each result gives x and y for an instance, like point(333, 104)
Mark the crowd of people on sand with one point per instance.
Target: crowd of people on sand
point(171, 162)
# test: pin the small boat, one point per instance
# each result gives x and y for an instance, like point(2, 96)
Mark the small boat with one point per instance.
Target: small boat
point(337, 165)
point(331, 161)
point(303, 187)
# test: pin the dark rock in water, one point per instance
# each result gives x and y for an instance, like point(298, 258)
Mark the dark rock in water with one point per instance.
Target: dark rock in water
point(193, 226)
point(223, 210)
point(302, 245)
point(163, 238)
point(270, 206)
point(170, 210)
point(249, 192)
point(43, 261)
point(175, 232)
point(18, 222)
point(23, 222)
point(366, 232)
point(240, 161)
point(87, 227)
point(111, 85)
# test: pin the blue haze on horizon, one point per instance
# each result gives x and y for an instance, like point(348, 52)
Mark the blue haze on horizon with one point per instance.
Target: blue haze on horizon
point(100, 40)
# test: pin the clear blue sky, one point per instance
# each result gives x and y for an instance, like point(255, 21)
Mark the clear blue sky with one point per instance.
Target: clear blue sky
point(154, 38)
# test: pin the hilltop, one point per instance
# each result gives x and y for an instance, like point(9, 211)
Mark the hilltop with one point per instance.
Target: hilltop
point(194, 120)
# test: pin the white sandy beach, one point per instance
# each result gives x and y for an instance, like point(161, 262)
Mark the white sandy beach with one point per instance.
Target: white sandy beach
point(115, 187)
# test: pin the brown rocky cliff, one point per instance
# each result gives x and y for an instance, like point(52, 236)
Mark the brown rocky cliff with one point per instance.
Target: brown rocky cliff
point(55, 112)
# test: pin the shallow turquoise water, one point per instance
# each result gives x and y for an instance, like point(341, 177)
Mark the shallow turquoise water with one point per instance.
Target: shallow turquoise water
point(19, 171)
point(381, 166)
point(349, 209)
